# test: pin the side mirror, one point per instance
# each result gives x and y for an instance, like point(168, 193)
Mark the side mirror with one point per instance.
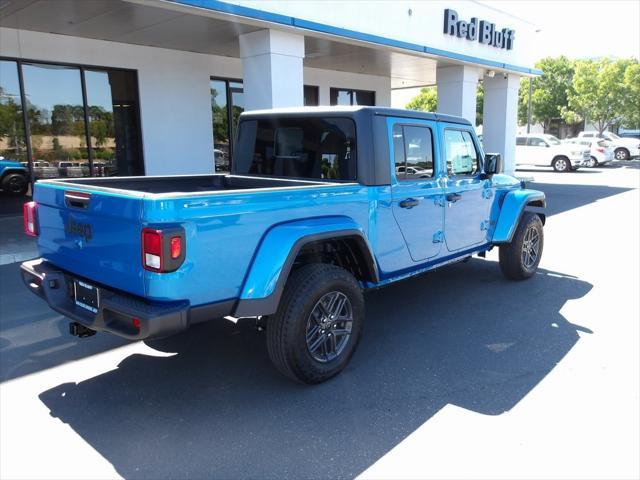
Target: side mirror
point(492, 164)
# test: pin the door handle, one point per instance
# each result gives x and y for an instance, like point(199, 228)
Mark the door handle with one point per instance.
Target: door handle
point(409, 202)
point(453, 197)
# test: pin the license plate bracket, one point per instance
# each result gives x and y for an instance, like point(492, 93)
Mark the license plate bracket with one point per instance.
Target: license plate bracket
point(86, 296)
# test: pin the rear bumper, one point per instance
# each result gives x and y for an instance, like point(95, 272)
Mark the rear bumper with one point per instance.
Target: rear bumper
point(117, 310)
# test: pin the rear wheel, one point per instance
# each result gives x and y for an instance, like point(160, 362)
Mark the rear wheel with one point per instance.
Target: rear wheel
point(621, 154)
point(15, 184)
point(592, 162)
point(561, 164)
point(520, 258)
point(316, 329)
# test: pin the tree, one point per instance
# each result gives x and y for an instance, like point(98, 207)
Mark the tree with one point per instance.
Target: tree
point(425, 101)
point(631, 114)
point(598, 93)
point(551, 91)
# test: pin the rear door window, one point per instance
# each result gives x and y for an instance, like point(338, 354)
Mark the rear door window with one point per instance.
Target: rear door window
point(322, 148)
point(462, 156)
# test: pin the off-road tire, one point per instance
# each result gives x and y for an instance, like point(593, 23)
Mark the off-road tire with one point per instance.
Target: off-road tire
point(512, 261)
point(15, 184)
point(561, 164)
point(287, 329)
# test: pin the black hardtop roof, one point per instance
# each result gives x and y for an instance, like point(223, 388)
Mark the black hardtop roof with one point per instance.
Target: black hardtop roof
point(353, 112)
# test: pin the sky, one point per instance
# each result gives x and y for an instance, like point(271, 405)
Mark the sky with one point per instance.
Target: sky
point(580, 28)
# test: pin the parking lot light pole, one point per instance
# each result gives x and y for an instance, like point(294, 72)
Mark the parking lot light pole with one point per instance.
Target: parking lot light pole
point(529, 105)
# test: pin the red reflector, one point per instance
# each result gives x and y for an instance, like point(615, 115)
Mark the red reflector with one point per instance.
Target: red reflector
point(136, 323)
point(152, 249)
point(152, 241)
point(176, 247)
point(29, 216)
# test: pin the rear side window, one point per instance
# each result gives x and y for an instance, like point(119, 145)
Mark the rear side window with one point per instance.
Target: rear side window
point(315, 148)
point(413, 152)
point(461, 153)
point(521, 140)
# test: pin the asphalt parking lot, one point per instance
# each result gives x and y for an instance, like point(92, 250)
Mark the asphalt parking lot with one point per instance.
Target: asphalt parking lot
point(460, 374)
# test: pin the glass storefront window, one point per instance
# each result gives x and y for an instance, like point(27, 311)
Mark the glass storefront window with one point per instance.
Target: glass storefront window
point(113, 122)
point(13, 145)
point(340, 96)
point(311, 96)
point(56, 120)
point(227, 103)
point(14, 161)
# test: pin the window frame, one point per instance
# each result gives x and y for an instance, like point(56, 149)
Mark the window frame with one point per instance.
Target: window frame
point(479, 155)
point(402, 125)
point(87, 133)
point(229, 90)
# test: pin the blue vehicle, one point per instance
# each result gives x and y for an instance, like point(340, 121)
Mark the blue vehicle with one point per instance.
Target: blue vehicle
point(14, 177)
point(321, 204)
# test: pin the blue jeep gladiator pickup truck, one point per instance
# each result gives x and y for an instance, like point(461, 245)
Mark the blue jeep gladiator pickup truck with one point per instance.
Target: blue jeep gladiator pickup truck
point(321, 204)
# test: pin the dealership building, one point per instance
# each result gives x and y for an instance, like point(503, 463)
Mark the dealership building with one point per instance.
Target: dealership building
point(155, 87)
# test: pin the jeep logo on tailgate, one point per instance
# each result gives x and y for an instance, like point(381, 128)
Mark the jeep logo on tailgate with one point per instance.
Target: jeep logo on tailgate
point(82, 229)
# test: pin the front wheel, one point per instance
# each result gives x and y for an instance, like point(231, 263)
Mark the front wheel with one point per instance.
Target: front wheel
point(520, 258)
point(561, 164)
point(316, 329)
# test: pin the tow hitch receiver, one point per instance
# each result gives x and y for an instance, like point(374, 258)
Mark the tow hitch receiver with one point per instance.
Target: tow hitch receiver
point(78, 330)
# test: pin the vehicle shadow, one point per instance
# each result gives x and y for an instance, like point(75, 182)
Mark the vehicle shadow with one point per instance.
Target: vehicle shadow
point(462, 335)
point(562, 196)
point(32, 336)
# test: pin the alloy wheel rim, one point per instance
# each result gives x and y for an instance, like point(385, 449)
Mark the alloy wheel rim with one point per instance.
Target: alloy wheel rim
point(620, 155)
point(561, 164)
point(15, 185)
point(530, 247)
point(329, 326)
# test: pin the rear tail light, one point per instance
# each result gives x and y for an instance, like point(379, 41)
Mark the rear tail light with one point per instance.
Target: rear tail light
point(600, 149)
point(163, 250)
point(30, 218)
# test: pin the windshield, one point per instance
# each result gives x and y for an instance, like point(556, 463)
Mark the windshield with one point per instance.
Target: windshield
point(612, 135)
point(552, 140)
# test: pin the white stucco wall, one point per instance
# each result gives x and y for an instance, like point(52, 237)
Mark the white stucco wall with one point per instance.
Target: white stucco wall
point(175, 103)
point(325, 79)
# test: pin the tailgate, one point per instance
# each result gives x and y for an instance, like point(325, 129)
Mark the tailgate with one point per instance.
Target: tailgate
point(91, 233)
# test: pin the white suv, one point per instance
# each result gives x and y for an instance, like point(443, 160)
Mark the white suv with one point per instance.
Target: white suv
point(544, 150)
point(623, 148)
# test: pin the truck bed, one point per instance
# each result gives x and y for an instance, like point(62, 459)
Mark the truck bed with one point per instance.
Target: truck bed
point(179, 185)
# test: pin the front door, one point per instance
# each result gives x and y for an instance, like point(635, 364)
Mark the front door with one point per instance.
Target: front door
point(417, 195)
point(468, 196)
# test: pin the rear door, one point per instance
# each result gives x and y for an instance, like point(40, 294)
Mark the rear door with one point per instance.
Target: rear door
point(92, 234)
point(467, 195)
point(416, 192)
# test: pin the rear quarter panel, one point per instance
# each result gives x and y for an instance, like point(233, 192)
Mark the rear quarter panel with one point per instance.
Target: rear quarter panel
point(223, 233)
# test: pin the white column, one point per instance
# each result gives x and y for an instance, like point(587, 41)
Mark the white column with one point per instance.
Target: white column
point(457, 91)
point(500, 117)
point(272, 69)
